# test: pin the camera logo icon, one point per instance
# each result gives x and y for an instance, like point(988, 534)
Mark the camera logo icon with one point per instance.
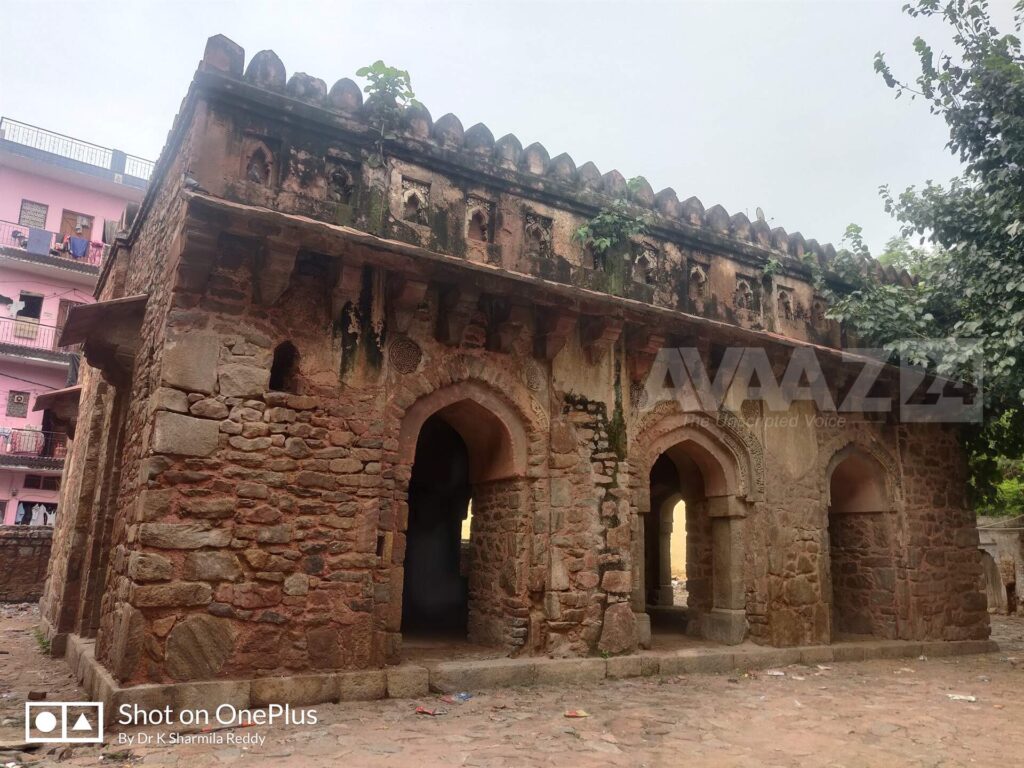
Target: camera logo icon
point(64, 722)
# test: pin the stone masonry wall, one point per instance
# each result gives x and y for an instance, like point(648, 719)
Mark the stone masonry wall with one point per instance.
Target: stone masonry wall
point(942, 567)
point(500, 539)
point(24, 552)
point(863, 577)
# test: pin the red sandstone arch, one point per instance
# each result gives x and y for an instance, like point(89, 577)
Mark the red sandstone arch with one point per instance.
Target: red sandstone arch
point(857, 484)
point(692, 438)
point(867, 475)
point(492, 430)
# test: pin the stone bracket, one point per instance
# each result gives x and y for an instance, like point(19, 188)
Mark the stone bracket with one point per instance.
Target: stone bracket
point(348, 287)
point(554, 328)
point(511, 328)
point(197, 258)
point(274, 270)
point(406, 297)
point(598, 335)
point(456, 307)
point(642, 347)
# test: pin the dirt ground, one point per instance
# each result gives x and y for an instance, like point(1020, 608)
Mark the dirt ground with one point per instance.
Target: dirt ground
point(873, 713)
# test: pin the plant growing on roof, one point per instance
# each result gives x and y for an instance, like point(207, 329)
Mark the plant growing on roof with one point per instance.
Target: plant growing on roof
point(613, 226)
point(772, 267)
point(389, 92)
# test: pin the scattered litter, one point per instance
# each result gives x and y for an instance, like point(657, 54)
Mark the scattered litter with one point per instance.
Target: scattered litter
point(961, 697)
point(576, 713)
point(983, 678)
point(922, 657)
point(797, 703)
point(823, 667)
point(775, 673)
point(797, 677)
point(431, 712)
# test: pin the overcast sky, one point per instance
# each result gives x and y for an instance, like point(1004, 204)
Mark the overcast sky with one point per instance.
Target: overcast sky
point(771, 104)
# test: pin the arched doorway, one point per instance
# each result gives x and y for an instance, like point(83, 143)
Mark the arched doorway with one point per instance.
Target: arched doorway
point(465, 582)
point(692, 488)
point(861, 541)
point(436, 591)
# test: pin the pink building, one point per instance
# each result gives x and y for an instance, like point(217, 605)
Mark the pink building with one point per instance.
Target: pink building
point(61, 201)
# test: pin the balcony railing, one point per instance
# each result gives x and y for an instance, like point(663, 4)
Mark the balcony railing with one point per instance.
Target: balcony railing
point(74, 149)
point(41, 242)
point(26, 332)
point(33, 443)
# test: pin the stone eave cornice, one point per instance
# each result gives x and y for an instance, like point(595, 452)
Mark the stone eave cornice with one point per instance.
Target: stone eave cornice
point(448, 147)
point(209, 210)
point(353, 129)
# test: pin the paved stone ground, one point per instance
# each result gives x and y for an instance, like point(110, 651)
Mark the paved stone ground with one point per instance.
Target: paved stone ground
point(873, 713)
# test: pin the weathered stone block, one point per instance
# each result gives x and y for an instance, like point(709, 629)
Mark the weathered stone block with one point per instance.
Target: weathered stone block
point(198, 647)
point(362, 686)
point(407, 681)
point(238, 380)
point(184, 435)
point(146, 566)
point(570, 671)
point(453, 676)
point(216, 509)
point(209, 408)
point(190, 362)
point(172, 595)
point(297, 690)
point(211, 566)
point(296, 584)
point(618, 633)
point(167, 399)
point(182, 536)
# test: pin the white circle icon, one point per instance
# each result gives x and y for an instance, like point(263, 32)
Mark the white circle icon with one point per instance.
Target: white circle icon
point(45, 722)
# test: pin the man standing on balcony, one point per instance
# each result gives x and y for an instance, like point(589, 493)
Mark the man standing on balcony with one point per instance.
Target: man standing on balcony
point(77, 245)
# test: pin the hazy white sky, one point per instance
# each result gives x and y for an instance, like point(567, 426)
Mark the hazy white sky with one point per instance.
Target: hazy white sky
point(771, 104)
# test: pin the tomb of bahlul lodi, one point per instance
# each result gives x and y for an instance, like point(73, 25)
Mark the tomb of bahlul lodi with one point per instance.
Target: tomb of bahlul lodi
point(342, 392)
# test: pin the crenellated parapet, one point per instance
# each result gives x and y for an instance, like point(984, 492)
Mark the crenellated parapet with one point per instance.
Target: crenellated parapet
point(295, 145)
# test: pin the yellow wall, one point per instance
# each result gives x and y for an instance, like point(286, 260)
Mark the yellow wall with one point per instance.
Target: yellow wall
point(679, 540)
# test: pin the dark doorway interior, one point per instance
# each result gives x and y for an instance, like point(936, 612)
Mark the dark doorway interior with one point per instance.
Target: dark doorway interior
point(436, 597)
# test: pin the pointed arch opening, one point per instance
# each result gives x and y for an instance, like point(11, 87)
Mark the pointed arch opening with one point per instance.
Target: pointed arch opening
point(860, 544)
point(465, 562)
point(692, 542)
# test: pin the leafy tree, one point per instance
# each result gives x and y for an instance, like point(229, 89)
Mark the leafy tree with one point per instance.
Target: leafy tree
point(970, 277)
point(390, 92)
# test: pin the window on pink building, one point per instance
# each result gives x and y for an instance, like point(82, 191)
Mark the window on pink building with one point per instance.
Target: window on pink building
point(32, 214)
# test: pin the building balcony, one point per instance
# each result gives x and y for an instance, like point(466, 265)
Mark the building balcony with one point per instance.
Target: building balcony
point(57, 149)
point(32, 449)
point(24, 337)
point(41, 246)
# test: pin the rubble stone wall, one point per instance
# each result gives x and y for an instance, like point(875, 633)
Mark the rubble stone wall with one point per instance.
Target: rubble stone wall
point(863, 577)
point(24, 552)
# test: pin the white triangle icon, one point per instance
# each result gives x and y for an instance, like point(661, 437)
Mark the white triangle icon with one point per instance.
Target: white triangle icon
point(81, 724)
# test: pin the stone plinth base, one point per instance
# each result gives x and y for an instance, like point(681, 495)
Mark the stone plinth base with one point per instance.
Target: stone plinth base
point(723, 626)
point(411, 681)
